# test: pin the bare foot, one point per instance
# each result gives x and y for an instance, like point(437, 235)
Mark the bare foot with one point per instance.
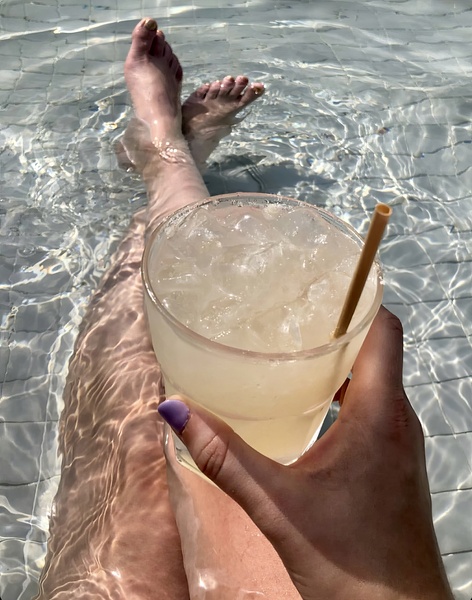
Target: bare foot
point(153, 75)
point(209, 113)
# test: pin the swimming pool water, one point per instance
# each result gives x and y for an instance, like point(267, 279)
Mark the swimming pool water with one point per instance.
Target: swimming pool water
point(366, 101)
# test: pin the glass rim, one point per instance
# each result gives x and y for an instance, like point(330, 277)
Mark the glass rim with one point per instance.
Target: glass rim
point(201, 340)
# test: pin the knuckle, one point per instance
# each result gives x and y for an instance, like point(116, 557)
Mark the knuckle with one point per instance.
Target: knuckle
point(212, 456)
point(405, 426)
point(403, 414)
point(393, 322)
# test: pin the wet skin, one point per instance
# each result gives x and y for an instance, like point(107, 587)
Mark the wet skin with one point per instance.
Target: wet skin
point(113, 530)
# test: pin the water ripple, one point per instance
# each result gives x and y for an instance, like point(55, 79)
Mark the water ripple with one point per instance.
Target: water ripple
point(366, 101)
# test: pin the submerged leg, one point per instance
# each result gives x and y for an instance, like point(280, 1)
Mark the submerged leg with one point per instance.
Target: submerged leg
point(113, 534)
point(225, 555)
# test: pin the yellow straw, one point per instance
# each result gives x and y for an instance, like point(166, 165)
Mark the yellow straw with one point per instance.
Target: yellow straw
point(379, 221)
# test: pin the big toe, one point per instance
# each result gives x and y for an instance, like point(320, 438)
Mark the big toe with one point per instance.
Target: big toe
point(252, 92)
point(143, 37)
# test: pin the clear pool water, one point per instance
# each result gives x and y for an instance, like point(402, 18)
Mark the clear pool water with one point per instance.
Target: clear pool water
point(366, 101)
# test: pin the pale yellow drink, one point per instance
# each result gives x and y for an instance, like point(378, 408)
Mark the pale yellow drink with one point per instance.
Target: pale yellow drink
point(242, 295)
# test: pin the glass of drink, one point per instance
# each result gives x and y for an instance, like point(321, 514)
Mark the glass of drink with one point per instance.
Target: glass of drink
point(242, 293)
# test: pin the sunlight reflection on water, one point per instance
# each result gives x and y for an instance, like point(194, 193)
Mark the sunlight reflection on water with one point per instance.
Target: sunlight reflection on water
point(365, 102)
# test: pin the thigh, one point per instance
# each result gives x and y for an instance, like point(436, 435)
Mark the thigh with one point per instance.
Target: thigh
point(113, 532)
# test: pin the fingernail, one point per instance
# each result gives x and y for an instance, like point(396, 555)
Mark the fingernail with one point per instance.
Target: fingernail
point(150, 24)
point(176, 413)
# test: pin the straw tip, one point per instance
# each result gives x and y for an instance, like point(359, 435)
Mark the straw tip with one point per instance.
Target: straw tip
point(384, 210)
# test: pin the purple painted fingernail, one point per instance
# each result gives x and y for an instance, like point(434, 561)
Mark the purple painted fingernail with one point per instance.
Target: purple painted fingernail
point(176, 413)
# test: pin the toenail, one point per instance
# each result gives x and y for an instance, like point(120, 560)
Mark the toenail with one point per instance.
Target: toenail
point(150, 24)
point(257, 90)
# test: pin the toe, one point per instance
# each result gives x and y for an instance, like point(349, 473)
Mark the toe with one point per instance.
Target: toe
point(214, 90)
point(202, 91)
point(174, 64)
point(239, 86)
point(159, 44)
point(168, 54)
point(179, 73)
point(149, 24)
point(226, 86)
point(252, 92)
point(142, 38)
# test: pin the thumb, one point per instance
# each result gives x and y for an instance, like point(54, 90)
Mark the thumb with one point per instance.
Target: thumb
point(379, 365)
point(221, 455)
point(375, 394)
